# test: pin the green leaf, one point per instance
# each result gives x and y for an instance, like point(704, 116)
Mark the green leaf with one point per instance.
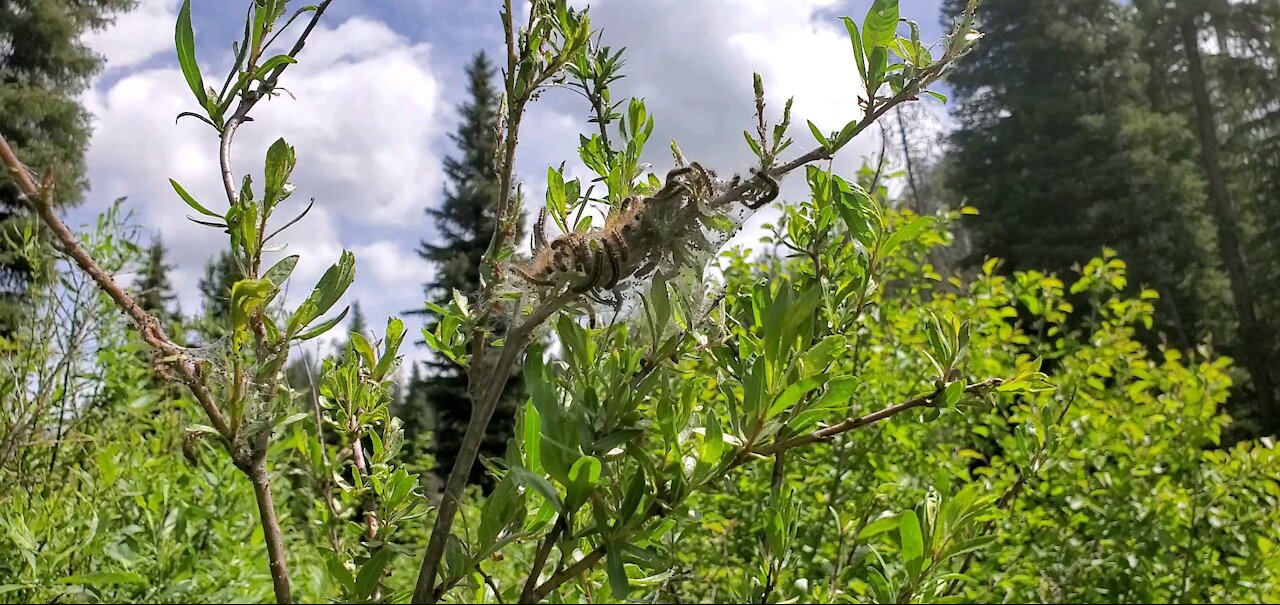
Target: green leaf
point(322, 327)
point(794, 392)
point(281, 160)
point(390, 347)
point(880, 526)
point(583, 477)
point(637, 489)
point(937, 95)
point(185, 43)
point(103, 578)
point(539, 483)
point(755, 147)
point(909, 534)
point(819, 357)
point(859, 53)
point(248, 296)
point(281, 270)
point(817, 134)
point(497, 511)
point(371, 572)
point(619, 585)
point(362, 347)
point(952, 395)
point(712, 441)
point(333, 284)
point(907, 232)
point(839, 391)
point(270, 64)
point(532, 437)
point(880, 27)
point(191, 201)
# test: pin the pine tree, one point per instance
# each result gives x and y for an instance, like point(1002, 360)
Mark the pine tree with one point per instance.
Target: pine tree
point(220, 273)
point(409, 409)
point(1063, 152)
point(464, 223)
point(1217, 62)
point(44, 66)
point(154, 291)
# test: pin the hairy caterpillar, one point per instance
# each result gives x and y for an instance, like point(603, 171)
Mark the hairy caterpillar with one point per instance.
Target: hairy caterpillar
point(638, 237)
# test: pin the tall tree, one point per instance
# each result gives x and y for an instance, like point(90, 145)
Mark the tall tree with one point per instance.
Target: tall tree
point(44, 65)
point(154, 291)
point(1063, 152)
point(464, 222)
point(1217, 62)
point(220, 273)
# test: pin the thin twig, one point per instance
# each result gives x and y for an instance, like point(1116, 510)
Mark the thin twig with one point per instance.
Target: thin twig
point(148, 326)
point(481, 413)
point(539, 561)
point(488, 580)
point(584, 564)
point(850, 424)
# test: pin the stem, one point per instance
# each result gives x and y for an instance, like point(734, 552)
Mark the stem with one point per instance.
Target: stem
point(539, 561)
point(357, 453)
point(425, 591)
point(554, 582)
point(916, 202)
point(271, 531)
point(853, 423)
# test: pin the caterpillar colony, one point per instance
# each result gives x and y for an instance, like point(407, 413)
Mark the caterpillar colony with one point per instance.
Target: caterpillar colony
point(644, 235)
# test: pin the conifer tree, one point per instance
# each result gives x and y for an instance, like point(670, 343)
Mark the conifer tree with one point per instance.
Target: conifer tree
point(1063, 152)
point(44, 65)
point(464, 227)
point(154, 291)
point(220, 273)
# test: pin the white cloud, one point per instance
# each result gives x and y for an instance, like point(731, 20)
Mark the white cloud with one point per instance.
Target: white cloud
point(364, 123)
point(137, 35)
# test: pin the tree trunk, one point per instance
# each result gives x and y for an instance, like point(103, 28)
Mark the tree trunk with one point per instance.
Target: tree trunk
point(1253, 341)
point(917, 204)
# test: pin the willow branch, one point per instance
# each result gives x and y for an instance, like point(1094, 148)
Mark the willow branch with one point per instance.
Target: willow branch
point(564, 575)
point(189, 373)
point(539, 561)
point(828, 433)
point(251, 98)
point(426, 590)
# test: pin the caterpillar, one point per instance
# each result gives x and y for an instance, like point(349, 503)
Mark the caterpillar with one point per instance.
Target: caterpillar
point(641, 234)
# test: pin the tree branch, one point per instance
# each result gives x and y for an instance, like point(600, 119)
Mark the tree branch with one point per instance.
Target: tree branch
point(562, 576)
point(850, 424)
point(539, 561)
point(270, 530)
point(426, 590)
point(148, 326)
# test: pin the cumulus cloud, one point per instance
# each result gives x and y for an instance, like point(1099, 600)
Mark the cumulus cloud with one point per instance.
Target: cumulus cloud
point(364, 122)
point(137, 35)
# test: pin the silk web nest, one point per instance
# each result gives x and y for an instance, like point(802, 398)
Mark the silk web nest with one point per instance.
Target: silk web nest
point(679, 227)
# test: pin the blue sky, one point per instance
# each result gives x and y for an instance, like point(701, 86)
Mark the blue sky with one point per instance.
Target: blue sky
point(376, 89)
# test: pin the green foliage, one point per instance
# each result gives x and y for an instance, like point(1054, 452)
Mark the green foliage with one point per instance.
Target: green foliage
point(1078, 130)
point(833, 422)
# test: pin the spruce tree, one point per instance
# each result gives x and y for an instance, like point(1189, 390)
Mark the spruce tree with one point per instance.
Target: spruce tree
point(220, 273)
point(154, 291)
point(1063, 152)
point(44, 66)
point(464, 225)
point(1217, 62)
